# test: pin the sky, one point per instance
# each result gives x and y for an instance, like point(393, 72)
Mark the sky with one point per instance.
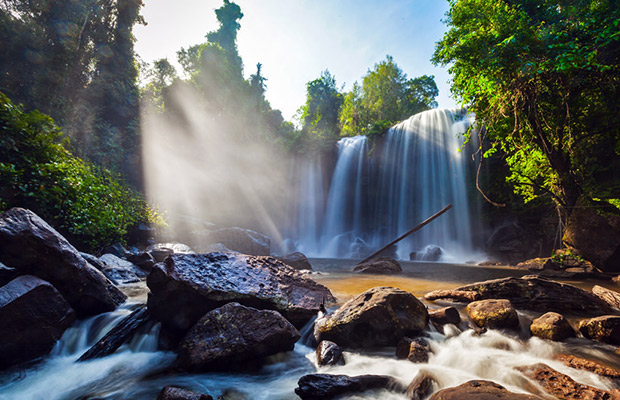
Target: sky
point(295, 40)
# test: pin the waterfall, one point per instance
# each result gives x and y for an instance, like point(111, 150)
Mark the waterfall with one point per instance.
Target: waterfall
point(418, 167)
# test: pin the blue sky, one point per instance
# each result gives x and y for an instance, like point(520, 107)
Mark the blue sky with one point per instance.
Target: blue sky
point(295, 40)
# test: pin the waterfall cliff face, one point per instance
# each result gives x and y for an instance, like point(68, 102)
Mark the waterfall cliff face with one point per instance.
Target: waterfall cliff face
point(379, 191)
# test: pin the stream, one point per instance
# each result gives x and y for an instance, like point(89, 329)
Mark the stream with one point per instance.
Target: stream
point(139, 371)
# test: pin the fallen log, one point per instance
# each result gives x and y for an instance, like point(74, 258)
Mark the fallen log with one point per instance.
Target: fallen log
point(417, 228)
point(120, 334)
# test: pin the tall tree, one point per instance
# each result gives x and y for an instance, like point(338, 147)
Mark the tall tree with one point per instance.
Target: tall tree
point(543, 77)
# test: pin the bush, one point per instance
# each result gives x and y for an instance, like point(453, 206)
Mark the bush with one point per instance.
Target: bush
point(37, 172)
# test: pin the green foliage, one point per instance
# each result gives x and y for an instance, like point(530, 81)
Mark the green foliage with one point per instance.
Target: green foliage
point(544, 78)
point(37, 172)
point(385, 98)
point(319, 116)
point(74, 60)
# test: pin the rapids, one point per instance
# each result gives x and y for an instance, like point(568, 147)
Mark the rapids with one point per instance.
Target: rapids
point(138, 370)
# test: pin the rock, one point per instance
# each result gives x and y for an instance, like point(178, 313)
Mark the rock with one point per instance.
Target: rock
point(493, 314)
point(415, 350)
point(94, 261)
point(561, 266)
point(217, 248)
point(430, 253)
point(325, 386)
point(120, 276)
point(160, 254)
point(480, 390)
point(34, 316)
point(121, 333)
point(32, 247)
point(552, 326)
point(329, 353)
point(605, 329)
point(594, 236)
point(455, 295)
point(110, 260)
point(233, 335)
point(562, 386)
point(177, 248)
point(379, 266)
point(445, 315)
point(244, 241)
point(538, 294)
point(607, 295)
point(378, 317)
point(177, 393)
point(296, 260)
point(186, 286)
point(145, 261)
point(421, 386)
point(116, 249)
point(588, 365)
point(7, 274)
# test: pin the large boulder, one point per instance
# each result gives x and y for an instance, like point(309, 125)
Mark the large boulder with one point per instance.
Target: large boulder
point(233, 335)
point(34, 316)
point(325, 386)
point(244, 241)
point(609, 296)
point(296, 260)
point(186, 286)
point(563, 266)
point(552, 326)
point(605, 329)
point(588, 365)
point(379, 266)
point(378, 317)
point(480, 390)
point(31, 246)
point(594, 236)
point(534, 293)
point(493, 314)
point(120, 271)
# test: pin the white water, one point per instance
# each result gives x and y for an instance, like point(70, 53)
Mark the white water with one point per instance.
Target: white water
point(418, 168)
point(129, 374)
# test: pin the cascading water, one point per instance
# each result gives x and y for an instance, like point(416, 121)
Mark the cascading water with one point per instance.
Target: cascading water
point(419, 167)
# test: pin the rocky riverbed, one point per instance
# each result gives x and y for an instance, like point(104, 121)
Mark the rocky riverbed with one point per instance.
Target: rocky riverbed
point(229, 325)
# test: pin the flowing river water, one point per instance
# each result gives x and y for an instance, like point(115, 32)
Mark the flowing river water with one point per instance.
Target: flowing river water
point(139, 371)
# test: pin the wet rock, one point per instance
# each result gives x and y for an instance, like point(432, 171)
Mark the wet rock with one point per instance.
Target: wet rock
point(605, 329)
point(552, 326)
point(244, 241)
point(609, 296)
point(379, 266)
point(117, 249)
point(461, 296)
point(232, 336)
point(296, 260)
point(480, 390)
point(144, 260)
point(594, 236)
point(378, 317)
point(120, 276)
point(430, 253)
point(421, 386)
point(538, 294)
point(217, 248)
point(329, 353)
point(559, 267)
point(186, 286)
point(415, 350)
point(445, 315)
point(111, 260)
point(34, 316)
point(562, 386)
point(32, 247)
point(588, 365)
point(325, 386)
point(177, 248)
point(94, 261)
point(118, 335)
point(177, 393)
point(493, 314)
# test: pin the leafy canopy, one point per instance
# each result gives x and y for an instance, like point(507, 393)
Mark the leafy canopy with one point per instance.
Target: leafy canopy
point(543, 78)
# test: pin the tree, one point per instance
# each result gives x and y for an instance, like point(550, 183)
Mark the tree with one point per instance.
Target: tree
point(226, 36)
point(543, 78)
point(319, 116)
point(385, 98)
